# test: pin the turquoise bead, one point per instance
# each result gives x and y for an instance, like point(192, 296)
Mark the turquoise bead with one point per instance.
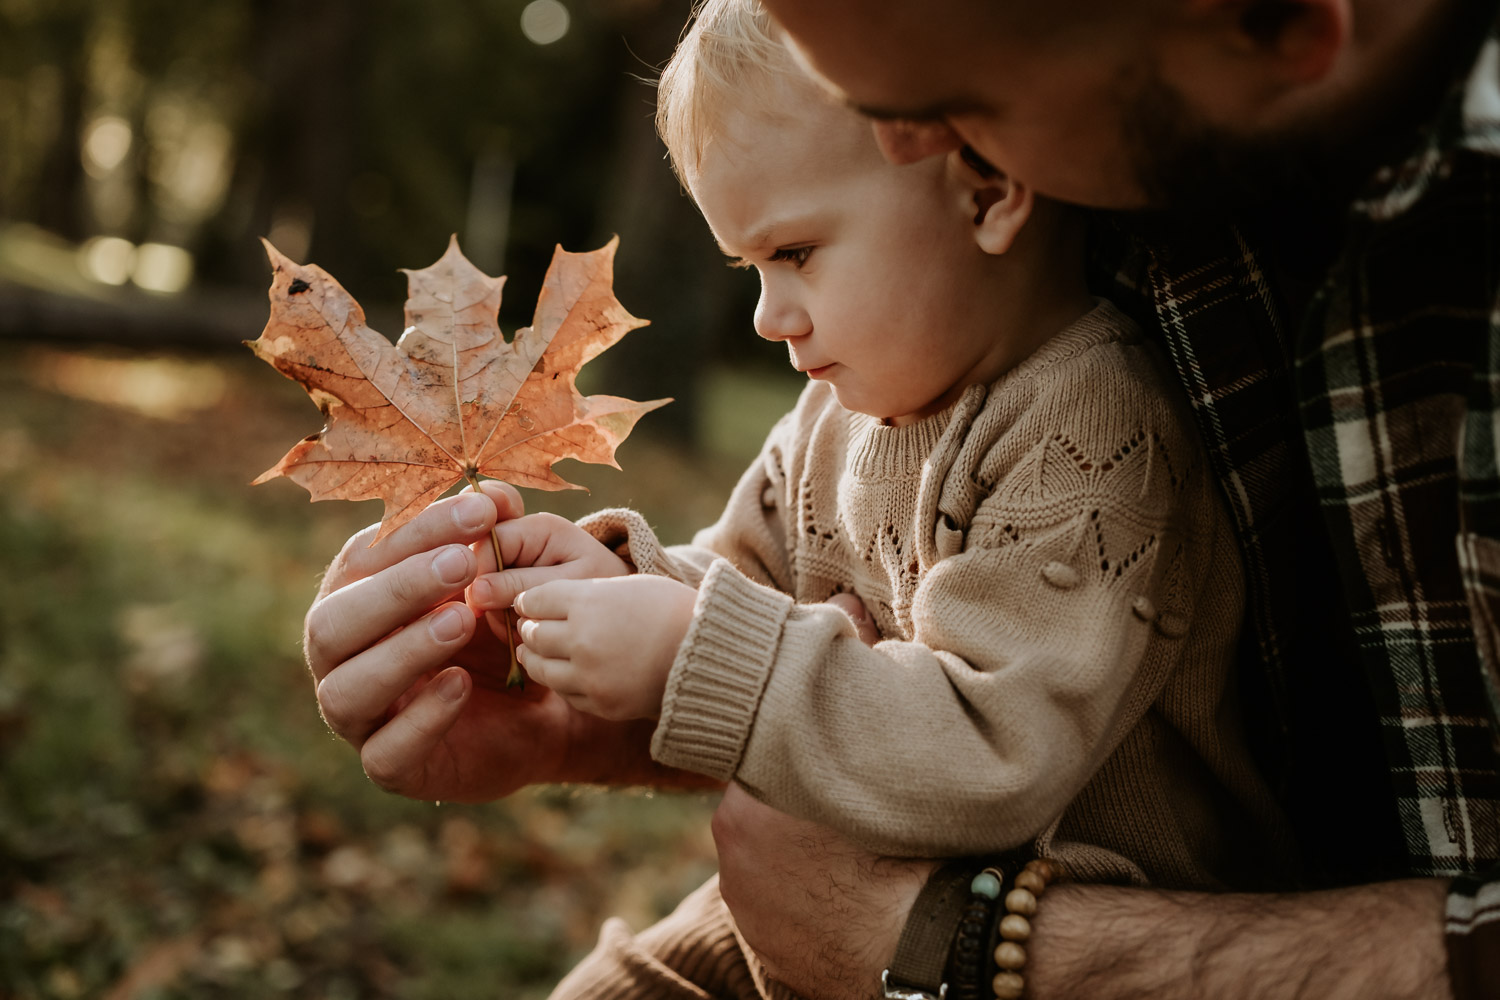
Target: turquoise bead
point(985, 884)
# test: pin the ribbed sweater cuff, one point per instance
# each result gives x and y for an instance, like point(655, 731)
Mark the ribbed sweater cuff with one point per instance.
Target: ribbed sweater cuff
point(626, 533)
point(720, 672)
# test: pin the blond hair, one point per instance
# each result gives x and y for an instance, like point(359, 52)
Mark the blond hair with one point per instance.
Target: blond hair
point(732, 56)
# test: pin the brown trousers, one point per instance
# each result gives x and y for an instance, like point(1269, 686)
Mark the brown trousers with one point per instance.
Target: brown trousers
point(694, 953)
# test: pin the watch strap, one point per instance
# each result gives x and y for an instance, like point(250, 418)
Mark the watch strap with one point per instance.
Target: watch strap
point(916, 971)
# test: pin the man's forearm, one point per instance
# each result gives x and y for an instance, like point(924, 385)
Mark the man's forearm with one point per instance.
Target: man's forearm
point(1375, 942)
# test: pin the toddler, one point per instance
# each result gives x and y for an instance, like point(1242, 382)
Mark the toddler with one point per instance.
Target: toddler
point(985, 456)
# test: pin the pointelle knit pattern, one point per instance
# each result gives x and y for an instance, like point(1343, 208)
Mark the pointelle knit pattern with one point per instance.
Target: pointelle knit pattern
point(1059, 596)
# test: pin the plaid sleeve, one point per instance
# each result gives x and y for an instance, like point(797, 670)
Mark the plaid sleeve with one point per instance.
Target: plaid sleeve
point(1473, 936)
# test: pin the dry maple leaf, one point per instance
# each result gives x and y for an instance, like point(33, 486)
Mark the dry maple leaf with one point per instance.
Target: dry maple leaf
point(451, 400)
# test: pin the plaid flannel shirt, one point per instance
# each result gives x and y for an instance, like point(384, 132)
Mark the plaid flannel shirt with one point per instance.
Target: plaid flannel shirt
point(1385, 392)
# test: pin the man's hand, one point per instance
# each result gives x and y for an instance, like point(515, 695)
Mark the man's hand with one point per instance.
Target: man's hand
point(407, 675)
point(824, 917)
point(821, 913)
point(605, 646)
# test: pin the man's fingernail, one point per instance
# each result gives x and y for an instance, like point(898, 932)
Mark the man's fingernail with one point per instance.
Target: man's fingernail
point(482, 593)
point(472, 511)
point(451, 565)
point(447, 625)
point(450, 687)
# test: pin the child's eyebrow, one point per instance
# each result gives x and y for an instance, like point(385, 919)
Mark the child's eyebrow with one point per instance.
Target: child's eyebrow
point(774, 232)
point(761, 237)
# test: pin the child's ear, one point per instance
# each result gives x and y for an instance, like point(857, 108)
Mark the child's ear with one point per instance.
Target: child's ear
point(1000, 205)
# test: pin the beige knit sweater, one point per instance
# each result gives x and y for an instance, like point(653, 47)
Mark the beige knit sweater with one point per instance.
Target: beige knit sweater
point(1059, 595)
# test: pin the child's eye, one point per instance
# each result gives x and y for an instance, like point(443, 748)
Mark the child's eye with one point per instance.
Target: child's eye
point(797, 256)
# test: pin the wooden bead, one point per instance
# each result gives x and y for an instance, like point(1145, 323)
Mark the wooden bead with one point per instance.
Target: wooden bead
point(1048, 870)
point(1031, 882)
point(1014, 927)
point(1009, 955)
point(1020, 901)
point(1008, 986)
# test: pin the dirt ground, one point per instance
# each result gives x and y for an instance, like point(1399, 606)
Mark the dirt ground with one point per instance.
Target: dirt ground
point(175, 820)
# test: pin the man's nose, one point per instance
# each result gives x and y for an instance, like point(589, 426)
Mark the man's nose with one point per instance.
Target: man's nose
point(909, 141)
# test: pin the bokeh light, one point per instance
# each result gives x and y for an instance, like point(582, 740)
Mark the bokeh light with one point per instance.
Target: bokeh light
point(109, 259)
point(160, 267)
point(544, 21)
point(106, 142)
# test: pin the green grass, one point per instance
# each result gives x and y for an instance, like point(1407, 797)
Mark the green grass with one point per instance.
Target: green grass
point(175, 820)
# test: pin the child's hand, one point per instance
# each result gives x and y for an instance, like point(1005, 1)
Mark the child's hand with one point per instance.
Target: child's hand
point(537, 549)
point(606, 646)
point(864, 625)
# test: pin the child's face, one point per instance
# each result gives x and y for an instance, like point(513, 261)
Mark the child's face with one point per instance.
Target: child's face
point(869, 272)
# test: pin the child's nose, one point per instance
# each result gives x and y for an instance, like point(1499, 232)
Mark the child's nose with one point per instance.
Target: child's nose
point(780, 318)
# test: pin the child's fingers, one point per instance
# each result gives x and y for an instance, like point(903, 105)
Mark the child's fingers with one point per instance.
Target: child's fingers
point(499, 590)
point(556, 674)
point(547, 638)
point(551, 599)
point(864, 625)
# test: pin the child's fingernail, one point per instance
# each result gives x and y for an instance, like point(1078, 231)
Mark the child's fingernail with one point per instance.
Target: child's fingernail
point(482, 593)
point(451, 565)
point(447, 625)
point(450, 687)
point(472, 511)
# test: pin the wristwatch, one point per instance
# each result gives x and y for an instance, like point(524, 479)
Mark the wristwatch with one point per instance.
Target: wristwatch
point(916, 971)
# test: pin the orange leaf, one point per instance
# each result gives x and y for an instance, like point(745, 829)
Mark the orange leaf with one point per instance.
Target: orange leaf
point(452, 398)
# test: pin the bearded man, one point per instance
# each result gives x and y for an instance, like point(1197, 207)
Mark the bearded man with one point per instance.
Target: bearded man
point(1303, 198)
point(1307, 193)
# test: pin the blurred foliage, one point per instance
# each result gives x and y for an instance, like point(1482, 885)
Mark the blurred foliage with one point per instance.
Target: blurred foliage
point(175, 820)
point(359, 134)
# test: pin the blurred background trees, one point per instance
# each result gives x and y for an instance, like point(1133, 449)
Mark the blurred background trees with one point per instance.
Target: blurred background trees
point(148, 143)
point(175, 820)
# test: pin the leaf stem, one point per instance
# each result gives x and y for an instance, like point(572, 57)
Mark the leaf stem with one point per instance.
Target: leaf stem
point(516, 678)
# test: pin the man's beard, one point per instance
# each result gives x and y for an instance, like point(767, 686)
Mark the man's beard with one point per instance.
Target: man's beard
point(1187, 166)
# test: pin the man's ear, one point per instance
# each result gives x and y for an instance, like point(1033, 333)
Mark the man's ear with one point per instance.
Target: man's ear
point(1304, 38)
point(1001, 206)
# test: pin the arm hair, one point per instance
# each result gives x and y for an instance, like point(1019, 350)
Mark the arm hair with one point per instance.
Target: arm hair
point(1372, 942)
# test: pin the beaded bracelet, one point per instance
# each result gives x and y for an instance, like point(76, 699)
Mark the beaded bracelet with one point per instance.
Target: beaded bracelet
point(976, 924)
point(1015, 926)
